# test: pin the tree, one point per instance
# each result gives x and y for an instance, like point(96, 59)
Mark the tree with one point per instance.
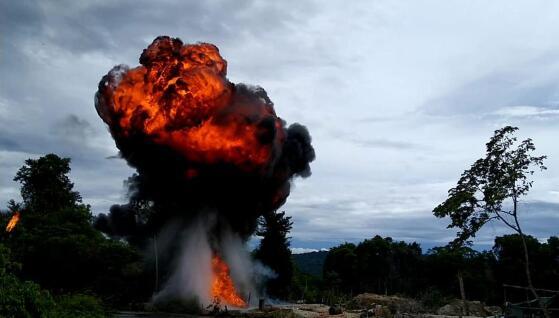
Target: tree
point(491, 189)
point(274, 251)
point(544, 258)
point(379, 265)
point(373, 266)
point(56, 243)
point(45, 186)
point(455, 260)
point(340, 268)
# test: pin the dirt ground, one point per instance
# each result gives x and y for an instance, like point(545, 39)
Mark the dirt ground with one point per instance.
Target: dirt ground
point(317, 310)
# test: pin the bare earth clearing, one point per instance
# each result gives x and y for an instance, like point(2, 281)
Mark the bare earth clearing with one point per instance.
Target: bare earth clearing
point(362, 306)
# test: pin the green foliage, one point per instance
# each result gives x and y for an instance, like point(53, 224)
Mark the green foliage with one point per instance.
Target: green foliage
point(340, 267)
point(307, 284)
point(305, 287)
point(482, 190)
point(400, 268)
point(56, 232)
point(74, 257)
point(26, 299)
point(432, 298)
point(310, 263)
point(19, 299)
point(375, 265)
point(79, 306)
point(23, 299)
point(6, 263)
point(545, 262)
point(274, 252)
point(442, 265)
point(45, 184)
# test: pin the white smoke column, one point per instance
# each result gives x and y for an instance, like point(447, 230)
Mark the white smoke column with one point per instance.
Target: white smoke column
point(192, 277)
point(248, 275)
point(240, 264)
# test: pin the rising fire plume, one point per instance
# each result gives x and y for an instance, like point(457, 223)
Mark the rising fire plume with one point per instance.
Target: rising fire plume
point(13, 222)
point(200, 145)
point(223, 288)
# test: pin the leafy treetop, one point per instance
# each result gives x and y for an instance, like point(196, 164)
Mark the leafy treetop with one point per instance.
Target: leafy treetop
point(481, 191)
point(45, 185)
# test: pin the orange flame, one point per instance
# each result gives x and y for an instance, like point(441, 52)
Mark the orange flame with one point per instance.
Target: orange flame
point(222, 284)
point(180, 97)
point(13, 222)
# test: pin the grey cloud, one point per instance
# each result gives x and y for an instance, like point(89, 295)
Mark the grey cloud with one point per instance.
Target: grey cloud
point(68, 136)
point(377, 119)
point(9, 144)
point(533, 83)
point(101, 26)
point(527, 112)
point(73, 128)
point(340, 71)
point(336, 220)
point(343, 205)
point(20, 143)
point(19, 19)
point(385, 143)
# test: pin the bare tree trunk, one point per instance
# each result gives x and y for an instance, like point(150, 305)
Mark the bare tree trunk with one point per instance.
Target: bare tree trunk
point(385, 288)
point(156, 263)
point(527, 263)
point(463, 294)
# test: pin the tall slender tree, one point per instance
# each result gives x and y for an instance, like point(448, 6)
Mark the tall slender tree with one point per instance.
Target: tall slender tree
point(274, 252)
point(491, 190)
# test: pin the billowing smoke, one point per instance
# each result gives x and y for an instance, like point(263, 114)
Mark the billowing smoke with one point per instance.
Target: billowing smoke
point(211, 158)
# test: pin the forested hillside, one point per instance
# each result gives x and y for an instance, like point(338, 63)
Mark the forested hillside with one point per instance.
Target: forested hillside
point(310, 263)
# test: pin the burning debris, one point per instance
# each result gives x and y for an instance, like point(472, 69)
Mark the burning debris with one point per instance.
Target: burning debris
point(13, 222)
point(211, 158)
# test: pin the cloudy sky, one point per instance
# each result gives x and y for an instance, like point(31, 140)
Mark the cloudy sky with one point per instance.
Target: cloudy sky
point(400, 97)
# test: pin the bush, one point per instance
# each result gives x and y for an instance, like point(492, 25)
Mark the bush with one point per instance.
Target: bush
point(26, 299)
point(432, 299)
point(23, 299)
point(79, 306)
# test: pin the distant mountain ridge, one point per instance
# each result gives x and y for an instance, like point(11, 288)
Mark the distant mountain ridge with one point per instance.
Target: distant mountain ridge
point(310, 263)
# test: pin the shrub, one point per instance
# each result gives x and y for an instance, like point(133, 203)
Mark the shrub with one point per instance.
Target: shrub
point(23, 299)
point(432, 299)
point(78, 306)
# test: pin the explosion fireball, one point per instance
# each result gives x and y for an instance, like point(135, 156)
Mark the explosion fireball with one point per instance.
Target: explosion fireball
point(206, 151)
point(181, 98)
